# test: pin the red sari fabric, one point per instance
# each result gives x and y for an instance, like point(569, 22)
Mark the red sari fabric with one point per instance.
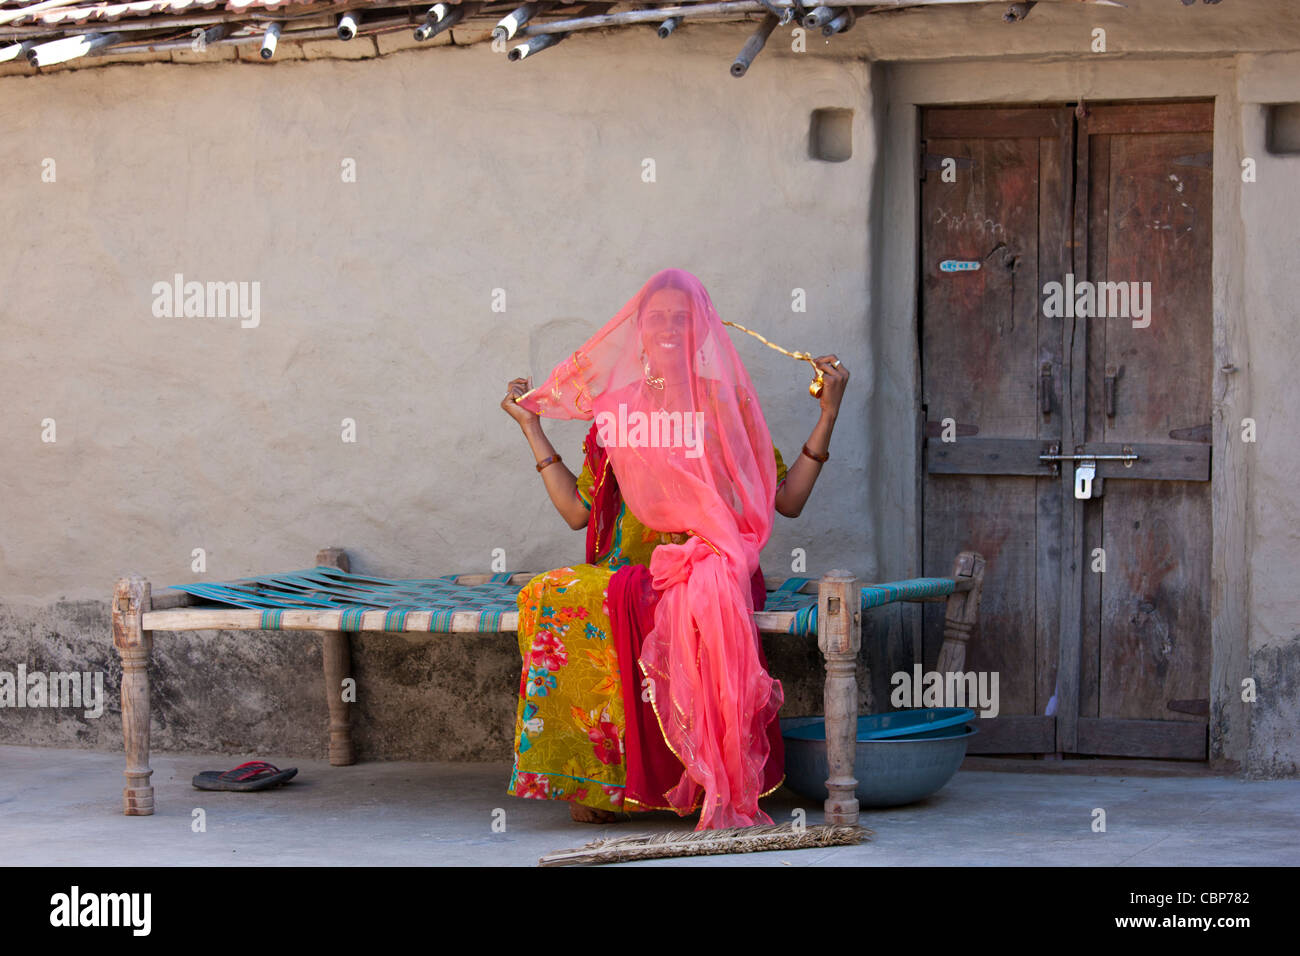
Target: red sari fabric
point(606, 503)
point(652, 768)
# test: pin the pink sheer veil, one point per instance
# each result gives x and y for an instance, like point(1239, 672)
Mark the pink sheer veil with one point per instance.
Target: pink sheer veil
point(676, 412)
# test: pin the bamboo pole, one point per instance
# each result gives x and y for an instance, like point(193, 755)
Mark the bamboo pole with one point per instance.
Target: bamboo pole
point(269, 41)
point(754, 45)
point(841, 24)
point(543, 41)
point(658, 15)
point(297, 36)
point(150, 23)
point(214, 33)
point(668, 26)
point(509, 25)
point(728, 8)
point(816, 17)
point(16, 50)
point(533, 45)
point(666, 18)
point(444, 16)
point(68, 48)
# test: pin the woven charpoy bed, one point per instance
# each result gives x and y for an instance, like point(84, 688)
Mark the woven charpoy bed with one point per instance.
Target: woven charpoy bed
point(331, 600)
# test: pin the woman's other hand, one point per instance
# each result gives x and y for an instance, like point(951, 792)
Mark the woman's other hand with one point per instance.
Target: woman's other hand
point(802, 475)
point(834, 378)
point(514, 389)
point(561, 484)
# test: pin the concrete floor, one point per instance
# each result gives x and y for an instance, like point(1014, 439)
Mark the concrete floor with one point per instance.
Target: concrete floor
point(63, 807)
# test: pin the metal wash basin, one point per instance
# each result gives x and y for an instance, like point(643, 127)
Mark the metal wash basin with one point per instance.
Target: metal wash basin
point(890, 771)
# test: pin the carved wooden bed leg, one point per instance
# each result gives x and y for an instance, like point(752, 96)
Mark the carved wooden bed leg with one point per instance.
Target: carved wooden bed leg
point(337, 655)
point(839, 635)
point(960, 613)
point(131, 598)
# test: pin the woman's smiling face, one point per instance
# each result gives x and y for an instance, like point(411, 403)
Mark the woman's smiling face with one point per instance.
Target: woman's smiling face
point(665, 321)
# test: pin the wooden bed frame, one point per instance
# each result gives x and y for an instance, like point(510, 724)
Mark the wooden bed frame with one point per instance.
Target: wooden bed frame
point(137, 613)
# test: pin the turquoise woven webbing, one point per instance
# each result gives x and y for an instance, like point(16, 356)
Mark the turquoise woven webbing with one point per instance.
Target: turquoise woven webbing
point(326, 588)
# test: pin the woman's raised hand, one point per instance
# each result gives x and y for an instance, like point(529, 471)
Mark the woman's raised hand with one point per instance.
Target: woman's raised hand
point(834, 377)
point(561, 484)
point(514, 389)
point(802, 475)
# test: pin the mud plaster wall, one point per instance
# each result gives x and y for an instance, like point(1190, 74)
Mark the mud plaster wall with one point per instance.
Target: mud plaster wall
point(175, 434)
point(1271, 212)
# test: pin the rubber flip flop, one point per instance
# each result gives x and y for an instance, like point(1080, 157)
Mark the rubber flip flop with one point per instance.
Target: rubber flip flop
point(254, 775)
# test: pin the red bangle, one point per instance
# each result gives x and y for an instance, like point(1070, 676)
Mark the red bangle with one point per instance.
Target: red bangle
point(821, 459)
point(548, 461)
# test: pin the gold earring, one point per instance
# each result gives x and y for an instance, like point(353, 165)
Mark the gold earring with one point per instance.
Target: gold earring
point(654, 381)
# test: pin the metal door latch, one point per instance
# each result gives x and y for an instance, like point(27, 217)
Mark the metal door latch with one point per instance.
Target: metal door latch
point(1084, 472)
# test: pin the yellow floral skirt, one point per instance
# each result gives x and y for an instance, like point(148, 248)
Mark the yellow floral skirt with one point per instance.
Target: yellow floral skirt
point(569, 725)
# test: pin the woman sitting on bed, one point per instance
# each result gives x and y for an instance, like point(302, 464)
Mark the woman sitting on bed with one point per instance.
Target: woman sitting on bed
point(644, 682)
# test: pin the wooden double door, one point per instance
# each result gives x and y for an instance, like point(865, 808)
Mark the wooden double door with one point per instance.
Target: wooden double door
point(1066, 343)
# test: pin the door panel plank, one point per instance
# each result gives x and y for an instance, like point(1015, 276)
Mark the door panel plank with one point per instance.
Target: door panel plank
point(1155, 601)
point(967, 123)
point(995, 517)
point(980, 358)
point(1093, 530)
point(1159, 234)
point(981, 353)
point(1056, 158)
point(1151, 118)
point(1154, 643)
point(1184, 740)
point(1073, 434)
point(1013, 734)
